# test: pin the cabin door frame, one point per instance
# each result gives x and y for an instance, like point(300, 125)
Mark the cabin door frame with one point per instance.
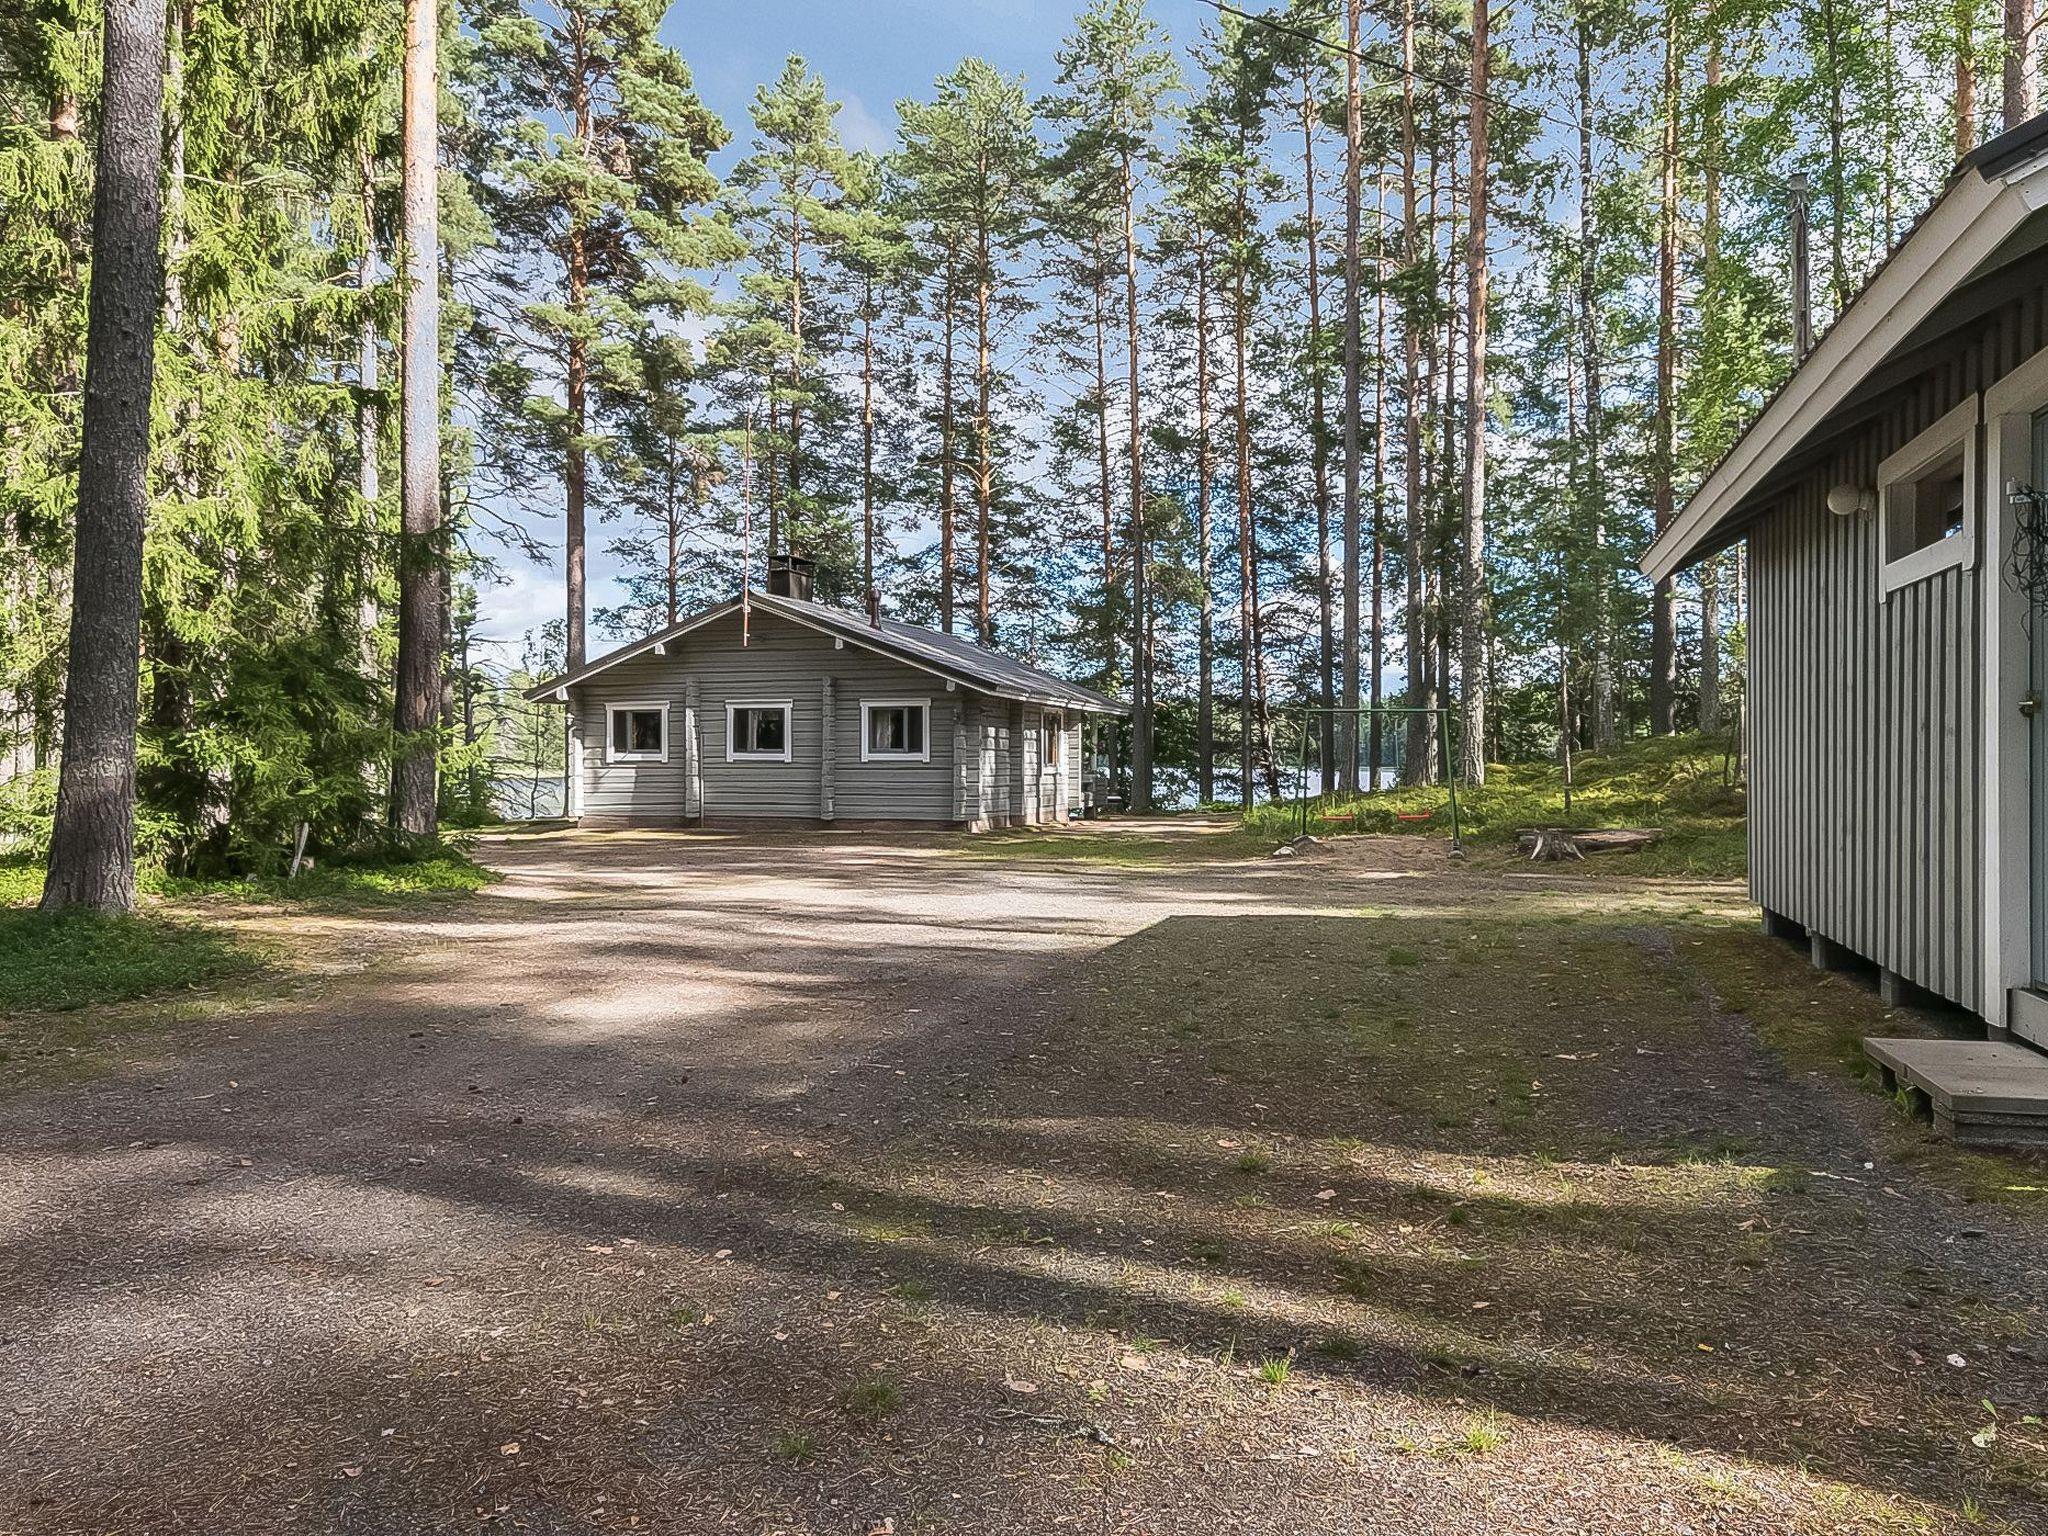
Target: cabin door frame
point(2014, 996)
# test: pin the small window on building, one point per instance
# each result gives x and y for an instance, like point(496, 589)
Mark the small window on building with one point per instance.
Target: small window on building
point(757, 731)
point(895, 730)
point(1925, 509)
point(637, 733)
point(1926, 501)
point(1049, 738)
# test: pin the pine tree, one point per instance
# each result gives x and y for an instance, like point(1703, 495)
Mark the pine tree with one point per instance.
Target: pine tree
point(972, 174)
point(788, 195)
point(92, 844)
point(1115, 75)
point(586, 211)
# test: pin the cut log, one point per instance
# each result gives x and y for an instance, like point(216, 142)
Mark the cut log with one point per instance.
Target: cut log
point(1541, 843)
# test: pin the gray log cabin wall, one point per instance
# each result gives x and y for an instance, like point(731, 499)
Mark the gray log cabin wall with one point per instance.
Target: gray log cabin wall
point(1866, 713)
point(707, 670)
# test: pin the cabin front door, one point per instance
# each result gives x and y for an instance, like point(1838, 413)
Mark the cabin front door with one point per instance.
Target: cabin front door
point(2034, 614)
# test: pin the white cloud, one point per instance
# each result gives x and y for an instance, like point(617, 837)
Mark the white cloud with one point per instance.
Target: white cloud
point(859, 128)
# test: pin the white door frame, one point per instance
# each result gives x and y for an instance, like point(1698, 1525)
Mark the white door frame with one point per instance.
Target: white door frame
point(2006, 802)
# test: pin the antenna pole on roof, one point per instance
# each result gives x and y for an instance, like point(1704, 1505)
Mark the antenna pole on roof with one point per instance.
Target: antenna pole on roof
point(1802, 296)
point(746, 523)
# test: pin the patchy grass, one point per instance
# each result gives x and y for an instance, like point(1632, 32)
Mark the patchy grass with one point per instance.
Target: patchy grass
point(444, 871)
point(1682, 784)
point(177, 939)
point(872, 1399)
point(82, 957)
point(1817, 1023)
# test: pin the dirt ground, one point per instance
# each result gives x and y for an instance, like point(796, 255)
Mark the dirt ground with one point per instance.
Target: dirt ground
point(687, 1184)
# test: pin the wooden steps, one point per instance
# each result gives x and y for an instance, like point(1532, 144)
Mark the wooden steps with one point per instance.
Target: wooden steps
point(1978, 1093)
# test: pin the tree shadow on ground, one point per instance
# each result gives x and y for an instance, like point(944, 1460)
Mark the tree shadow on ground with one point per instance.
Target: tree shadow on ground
point(1441, 1166)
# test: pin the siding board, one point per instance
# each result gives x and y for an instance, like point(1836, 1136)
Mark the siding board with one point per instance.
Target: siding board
point(707, 670)
point(1865, 720)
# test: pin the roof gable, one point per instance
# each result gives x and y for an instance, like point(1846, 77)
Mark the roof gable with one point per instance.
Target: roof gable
point(946, 656)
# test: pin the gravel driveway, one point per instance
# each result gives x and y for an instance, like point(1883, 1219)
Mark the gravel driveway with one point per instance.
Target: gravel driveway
point(694, 1184)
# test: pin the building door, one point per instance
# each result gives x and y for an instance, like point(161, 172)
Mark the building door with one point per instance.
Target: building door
point(2034, 614)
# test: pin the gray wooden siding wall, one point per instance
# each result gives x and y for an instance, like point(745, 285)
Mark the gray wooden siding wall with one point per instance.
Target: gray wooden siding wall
point(782, 661)
point(1866, 717)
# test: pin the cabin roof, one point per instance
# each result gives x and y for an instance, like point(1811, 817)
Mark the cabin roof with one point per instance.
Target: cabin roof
point(1983, 221)
point(947, 656)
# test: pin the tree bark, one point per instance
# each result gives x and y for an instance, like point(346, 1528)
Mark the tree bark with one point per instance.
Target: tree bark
point(1710, 292)
point(575, 479)
point(1205, 639)
point(867, 447)
point(1105, 492)
point(1247, 561)
point(1472, 651)
point(1966, 84)
point(2019, 62)
point(1354, 563)
point(414, 770)
point(1590, 466)
point(946, 507)
point(1141, 596)
point(1421, 737)
point(1376, 672)
point(1319, 454)
point(1664, 446)
point(92, 843)
point(984, 464)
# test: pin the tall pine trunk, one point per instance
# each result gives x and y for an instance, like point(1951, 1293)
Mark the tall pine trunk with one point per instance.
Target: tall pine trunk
point(1376, 671)
point(414, 769)
point(1417, 767)
point(1319, 455)
point(576, 381)
point(1472, 649)
point(1247, 557)
point(1664, 446)
point(2018, 99)
point(1590, 463)
point(1141, 580)
point(1354, 563)
point(872, 596)
point(947, 510)
point(984, 463)
point(1205, 638)
point(1966, 81)
point(92, 843)
point(1105, 492)
point(1710, 294)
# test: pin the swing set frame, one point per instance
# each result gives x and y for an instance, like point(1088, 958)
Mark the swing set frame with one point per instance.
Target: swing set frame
point(1446, 716)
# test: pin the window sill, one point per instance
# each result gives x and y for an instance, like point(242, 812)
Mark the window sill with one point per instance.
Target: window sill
point(1927, 562)
point(629, 759)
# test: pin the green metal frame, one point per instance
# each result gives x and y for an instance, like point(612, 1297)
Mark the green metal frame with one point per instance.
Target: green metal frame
point(1444, 713)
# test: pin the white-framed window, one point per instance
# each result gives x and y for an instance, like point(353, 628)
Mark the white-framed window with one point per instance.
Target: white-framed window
point(757, 731)
point(1927, 501)
point(1049, 739)
point(895, 730)
point(636, 732)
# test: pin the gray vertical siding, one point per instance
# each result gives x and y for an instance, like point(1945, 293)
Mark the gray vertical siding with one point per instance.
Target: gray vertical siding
point(985, 766)
point(781, 661)
point(1867, 730)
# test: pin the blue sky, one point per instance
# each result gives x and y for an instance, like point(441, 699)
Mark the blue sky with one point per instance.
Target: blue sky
point(872, 53)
